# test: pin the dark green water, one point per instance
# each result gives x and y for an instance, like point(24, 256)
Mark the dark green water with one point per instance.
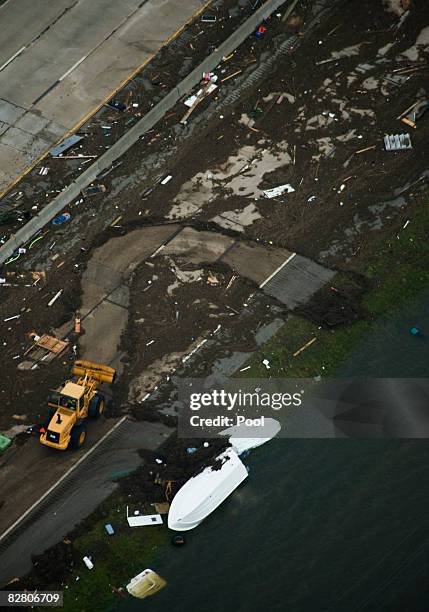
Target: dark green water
point(339, 525)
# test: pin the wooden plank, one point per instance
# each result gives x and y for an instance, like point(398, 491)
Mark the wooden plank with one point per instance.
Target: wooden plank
point(52, 344)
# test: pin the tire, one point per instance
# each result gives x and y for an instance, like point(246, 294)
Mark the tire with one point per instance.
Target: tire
point(78, 436)
point(96, 406)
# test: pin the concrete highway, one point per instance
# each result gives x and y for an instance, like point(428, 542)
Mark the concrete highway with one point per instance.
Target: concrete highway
point(59, 61)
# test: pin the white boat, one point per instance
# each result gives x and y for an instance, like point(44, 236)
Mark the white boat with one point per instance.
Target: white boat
point(203, 493)
point(239, 435)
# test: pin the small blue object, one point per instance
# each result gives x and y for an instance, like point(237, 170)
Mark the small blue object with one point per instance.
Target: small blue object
point(414, 331)
point(191, 450)
point(108, 527)
point(61, 219)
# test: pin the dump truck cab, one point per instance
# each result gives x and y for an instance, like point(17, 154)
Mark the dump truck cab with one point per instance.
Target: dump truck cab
point(72, 403)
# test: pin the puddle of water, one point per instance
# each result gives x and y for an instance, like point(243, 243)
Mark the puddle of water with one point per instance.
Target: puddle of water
point(370, 83)
point(421, 44)
point(241, 175)
point(325, 146)
point(238, 219)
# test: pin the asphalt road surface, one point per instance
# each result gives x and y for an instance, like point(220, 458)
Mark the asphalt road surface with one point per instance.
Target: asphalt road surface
point(60, 60)
point(75, 498)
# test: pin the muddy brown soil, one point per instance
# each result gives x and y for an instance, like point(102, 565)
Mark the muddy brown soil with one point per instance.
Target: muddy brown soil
point(339, 225)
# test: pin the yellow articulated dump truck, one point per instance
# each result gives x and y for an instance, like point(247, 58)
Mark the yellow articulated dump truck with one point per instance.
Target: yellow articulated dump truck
point(73, 403)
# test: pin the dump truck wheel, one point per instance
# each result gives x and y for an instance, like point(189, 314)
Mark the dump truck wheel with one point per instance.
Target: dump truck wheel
point(78, 436)
point(96, 406)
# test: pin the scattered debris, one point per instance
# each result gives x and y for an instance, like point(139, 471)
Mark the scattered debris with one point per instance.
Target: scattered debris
point(161, 507)
point(365, 149)
point(109, 529)
point(207, 18)
point(5, 442)
point(61, 218)
point(309, 343)
point(278, 191)
point(67, 144)
point(93, 190)
point(231, 76)
point(45, 348)
point(11, 318)
point(266, 363)
point(166, 180)
point(55, 298)
point(143, 520)
point(193, 101)
point(43, 171)
point(77, 323)
point(178, 540)
point(116, 105)
point(414, 331)
point(89, 564)
point(145, 584)
point(418, 110)
point(212, 279)
point(397, 141)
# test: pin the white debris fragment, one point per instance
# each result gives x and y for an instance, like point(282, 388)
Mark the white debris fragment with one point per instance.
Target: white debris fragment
point(266, 363)
point(55, 298)
point(89, 564)
point(278, 191)
point(166, 180)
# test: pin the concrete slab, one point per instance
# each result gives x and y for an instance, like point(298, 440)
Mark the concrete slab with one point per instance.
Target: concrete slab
point(32, 123)
point(196, 247)
point(121, 255)
point(254, 261)
point(9, 113)
point(16, 138)
point(25, 21)
point(10, 160)
point(120, 296)
point(106, 322)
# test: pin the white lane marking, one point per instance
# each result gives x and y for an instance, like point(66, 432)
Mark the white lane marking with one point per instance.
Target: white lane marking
point(278, 270)
point(73, 67)
point(63, 477)
point(4, 4)
point(12, 58)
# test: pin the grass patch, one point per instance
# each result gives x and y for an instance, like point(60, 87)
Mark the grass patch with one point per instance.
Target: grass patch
point(116, 558)
point(398, 273)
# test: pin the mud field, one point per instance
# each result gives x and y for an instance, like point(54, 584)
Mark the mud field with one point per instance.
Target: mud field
point(313, 117)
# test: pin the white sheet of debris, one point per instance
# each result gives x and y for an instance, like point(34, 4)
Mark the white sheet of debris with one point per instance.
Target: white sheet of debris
point(278, 191)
